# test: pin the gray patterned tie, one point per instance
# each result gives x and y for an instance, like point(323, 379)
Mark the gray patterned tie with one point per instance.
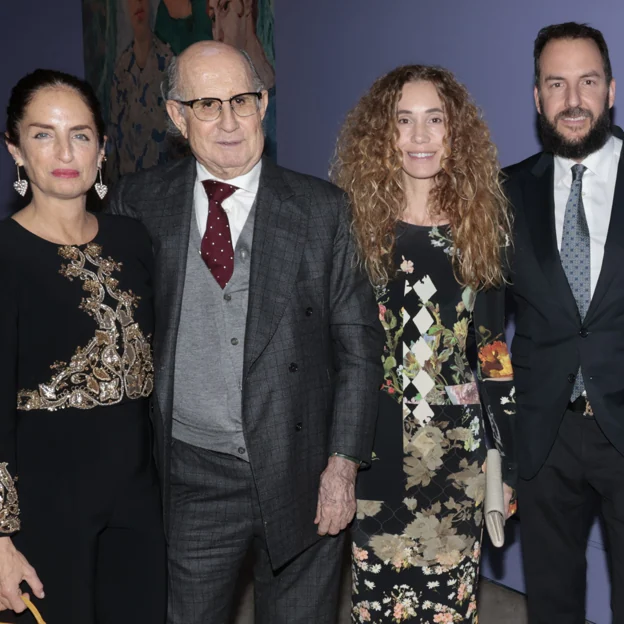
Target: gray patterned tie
point(575, 254)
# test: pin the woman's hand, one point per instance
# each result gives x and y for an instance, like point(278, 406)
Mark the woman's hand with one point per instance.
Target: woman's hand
point(511, 505)
point(13, 570)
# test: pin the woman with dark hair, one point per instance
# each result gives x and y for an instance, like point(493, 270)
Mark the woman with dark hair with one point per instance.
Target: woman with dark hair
point(432, 225)
point(81, 529)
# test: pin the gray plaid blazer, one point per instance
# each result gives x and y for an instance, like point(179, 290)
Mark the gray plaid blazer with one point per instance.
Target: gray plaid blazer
point(312, 355)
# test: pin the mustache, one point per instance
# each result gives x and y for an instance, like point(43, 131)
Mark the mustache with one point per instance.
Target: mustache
point(575, 111)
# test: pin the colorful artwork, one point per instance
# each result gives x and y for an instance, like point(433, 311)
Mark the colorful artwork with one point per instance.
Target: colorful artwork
point(127, 46)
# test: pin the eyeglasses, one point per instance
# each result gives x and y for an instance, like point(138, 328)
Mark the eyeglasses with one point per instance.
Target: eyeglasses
point(209, 109)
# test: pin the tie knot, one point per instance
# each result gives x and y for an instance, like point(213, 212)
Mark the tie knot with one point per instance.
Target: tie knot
point(577, 172)
point(218, 191)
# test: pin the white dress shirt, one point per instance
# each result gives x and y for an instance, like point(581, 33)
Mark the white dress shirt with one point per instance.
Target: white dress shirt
point(237, 207)
point(598, 190)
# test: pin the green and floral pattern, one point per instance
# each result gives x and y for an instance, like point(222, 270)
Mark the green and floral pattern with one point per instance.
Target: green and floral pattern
point(417, 533)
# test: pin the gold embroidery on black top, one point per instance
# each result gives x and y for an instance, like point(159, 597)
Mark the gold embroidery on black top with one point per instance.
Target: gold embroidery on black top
point(116, 362)
point(9, 510)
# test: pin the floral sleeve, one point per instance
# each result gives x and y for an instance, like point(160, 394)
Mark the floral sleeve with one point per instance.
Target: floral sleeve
point(493, 371)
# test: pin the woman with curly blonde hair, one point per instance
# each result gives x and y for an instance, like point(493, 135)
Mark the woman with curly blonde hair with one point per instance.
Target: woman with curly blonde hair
point(431, 221)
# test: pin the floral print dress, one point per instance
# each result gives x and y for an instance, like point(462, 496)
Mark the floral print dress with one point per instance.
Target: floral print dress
point(417, 533)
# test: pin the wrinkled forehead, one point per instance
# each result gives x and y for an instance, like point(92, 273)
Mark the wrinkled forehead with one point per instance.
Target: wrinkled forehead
point(210, 74)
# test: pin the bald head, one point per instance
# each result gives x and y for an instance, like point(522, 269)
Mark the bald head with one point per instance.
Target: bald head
point(209, 59)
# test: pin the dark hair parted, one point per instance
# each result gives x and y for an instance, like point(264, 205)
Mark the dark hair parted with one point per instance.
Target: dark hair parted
point(26, 89)
point(369, 167)
point(570, 30)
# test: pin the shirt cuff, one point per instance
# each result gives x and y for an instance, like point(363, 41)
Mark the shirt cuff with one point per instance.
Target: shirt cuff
point(352, 459)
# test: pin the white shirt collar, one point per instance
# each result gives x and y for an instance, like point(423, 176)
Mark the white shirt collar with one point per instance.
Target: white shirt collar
point(599, 163)
point(248, 181)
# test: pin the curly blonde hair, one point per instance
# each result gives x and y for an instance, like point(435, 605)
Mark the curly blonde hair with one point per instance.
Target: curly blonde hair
point(367, 165)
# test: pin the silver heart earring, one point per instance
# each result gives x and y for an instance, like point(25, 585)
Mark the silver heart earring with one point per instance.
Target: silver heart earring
point(21, 186)
point(100, 188)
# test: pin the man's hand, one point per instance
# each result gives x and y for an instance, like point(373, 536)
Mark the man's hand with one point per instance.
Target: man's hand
point(13, 570)
point(336, 502)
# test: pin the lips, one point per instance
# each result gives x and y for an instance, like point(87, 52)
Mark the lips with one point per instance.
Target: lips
point(65, 173)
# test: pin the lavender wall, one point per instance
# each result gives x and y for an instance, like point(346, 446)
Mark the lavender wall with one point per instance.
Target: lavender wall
point(35, 33)
point(329, 52)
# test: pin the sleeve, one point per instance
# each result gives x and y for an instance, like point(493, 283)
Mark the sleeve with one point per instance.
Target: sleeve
point(357, 339)
point(116, 204)
point(494, 372)
point(9, 509)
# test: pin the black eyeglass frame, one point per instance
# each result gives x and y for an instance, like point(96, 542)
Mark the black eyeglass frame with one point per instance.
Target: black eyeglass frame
point(191, 103)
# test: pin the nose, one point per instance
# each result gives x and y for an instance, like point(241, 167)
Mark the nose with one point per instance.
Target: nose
point(420, 133)
point(573, 98)
point(64, 149)
point(228, 120)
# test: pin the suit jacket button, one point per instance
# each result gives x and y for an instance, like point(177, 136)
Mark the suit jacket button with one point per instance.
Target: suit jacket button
point(298, 426)
point(309, 311)
point(571, 378)
point(293, 368)
point(583, 333)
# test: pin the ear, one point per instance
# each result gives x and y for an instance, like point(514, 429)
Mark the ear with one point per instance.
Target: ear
point(264, 102)
point(612, 93)
point(15, 152)
point(102, 154)
point(178, 116)
point(537, 100)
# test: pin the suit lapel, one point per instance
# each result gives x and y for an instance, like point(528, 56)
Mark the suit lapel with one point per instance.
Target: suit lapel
point(172, 232)
point(539, 201)
point(280, 232)
point(612, 260)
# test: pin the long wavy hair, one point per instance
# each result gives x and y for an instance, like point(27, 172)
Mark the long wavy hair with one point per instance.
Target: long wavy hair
point(367, 165)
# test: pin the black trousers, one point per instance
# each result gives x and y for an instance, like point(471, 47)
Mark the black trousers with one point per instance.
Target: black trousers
point(583, 476)
point(215, 521)
point(92, 516)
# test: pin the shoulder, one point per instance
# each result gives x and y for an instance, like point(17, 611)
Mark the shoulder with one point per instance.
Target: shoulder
point(16, 246)
point(304, 186)
point(162, 49)
point(521, 169)
point(126, 229)
point(8, 229)
point(156, 181)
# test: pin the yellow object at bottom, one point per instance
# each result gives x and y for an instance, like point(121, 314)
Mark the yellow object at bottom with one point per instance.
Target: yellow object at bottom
point(33, 610)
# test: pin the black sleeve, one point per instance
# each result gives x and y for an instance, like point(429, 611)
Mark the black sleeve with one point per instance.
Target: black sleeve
point(9, 511)
point(495, 364)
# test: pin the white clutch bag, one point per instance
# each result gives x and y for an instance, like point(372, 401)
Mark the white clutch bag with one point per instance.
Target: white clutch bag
point(494, 499)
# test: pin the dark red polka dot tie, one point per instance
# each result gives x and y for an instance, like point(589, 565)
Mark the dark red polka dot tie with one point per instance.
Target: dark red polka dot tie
point(216, 246)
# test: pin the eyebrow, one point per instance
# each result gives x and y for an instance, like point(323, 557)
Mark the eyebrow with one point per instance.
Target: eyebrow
point(429, 110)
point(49, 127)
point(590, 74)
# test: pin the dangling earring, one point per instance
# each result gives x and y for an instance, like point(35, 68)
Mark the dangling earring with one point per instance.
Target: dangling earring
point(100, 188)
point(21, 186)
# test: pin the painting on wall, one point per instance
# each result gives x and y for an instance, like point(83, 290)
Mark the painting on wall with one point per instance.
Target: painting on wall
point(127, 47)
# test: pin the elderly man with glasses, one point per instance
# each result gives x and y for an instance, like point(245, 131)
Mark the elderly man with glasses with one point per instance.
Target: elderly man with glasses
point(266, 353)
